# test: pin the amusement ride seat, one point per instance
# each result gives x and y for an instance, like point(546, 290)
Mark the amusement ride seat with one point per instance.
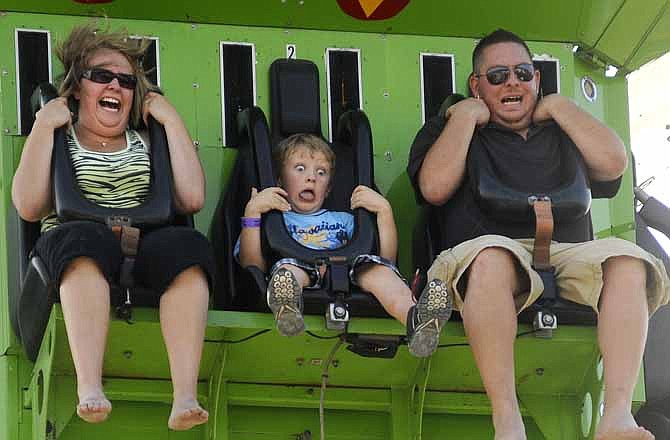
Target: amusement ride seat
point(568, 202)
point(295, 104)
point(30, 306)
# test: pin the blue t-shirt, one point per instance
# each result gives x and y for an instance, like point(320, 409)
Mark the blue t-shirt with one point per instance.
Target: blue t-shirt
point(322, 229)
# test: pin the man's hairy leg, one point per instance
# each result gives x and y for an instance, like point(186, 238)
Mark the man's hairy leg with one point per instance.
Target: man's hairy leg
point(490, 321)
point(622, 332)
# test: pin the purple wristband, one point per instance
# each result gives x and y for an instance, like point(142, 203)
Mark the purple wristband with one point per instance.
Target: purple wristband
point(251, 222)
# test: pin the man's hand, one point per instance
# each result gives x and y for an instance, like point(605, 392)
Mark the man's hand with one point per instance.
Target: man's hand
point(548, 106)
point(472, 108)
point(266, 200)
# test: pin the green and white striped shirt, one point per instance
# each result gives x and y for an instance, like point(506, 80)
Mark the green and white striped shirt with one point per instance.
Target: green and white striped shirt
point(120, 179)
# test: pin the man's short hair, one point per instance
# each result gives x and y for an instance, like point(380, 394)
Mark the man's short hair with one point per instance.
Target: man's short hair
point(495, 37)
point(313, 144)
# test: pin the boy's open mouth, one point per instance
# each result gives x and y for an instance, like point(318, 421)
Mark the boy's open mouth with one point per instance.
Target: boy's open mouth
point(307, 195)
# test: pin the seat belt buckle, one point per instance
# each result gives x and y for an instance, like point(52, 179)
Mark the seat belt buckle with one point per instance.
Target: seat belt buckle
point(124, 310)
point(544, 324)
point(337, 316)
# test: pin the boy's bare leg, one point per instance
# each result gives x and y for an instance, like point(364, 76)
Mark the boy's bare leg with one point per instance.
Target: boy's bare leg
point(84, 295)
point(490, 321)
point(622, 332)
point(183, 314)
point(388, 288)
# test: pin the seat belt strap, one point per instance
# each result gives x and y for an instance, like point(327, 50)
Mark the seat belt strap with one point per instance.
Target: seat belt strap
point(544, 230)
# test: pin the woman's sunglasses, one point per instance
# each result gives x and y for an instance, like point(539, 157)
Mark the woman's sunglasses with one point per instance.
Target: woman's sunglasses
point(104, 76)
point(499, 75)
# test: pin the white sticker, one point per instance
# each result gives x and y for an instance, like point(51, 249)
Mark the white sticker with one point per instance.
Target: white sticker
point(290, 51)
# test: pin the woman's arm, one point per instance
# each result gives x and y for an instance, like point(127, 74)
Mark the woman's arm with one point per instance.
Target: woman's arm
point(31, 187)
point(187, 173)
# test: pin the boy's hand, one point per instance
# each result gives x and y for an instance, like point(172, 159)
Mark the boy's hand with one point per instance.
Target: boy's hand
point(367, 198)
point(266, 200)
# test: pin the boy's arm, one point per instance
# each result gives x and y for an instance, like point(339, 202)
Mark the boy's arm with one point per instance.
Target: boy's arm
point(366, 198)
point(250, 238)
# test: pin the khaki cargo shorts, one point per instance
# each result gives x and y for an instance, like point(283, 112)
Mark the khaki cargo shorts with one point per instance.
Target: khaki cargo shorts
point(578, 266)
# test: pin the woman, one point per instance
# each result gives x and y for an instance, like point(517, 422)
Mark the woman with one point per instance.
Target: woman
point(107, 88)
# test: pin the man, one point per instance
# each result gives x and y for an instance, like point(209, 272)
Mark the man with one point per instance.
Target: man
point(488, 264)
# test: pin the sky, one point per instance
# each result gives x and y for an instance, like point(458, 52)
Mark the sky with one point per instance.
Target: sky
point(649, 106)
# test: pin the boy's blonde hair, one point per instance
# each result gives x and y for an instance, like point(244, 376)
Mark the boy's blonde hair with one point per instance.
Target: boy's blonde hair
point(83, 42)
point(313, 144)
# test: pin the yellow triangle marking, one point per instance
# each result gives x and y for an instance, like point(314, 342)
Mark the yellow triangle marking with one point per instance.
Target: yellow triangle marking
point(370, 6)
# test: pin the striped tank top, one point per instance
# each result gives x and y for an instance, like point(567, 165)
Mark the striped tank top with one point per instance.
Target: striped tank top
point(120, 179)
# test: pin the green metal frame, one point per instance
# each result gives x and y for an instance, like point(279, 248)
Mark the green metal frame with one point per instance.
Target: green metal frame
point(268, 387)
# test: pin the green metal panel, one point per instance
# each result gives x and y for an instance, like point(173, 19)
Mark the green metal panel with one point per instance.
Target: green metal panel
point(594, 19)
point(250, 387)
point(656, 42)
point(579, 21)
point(635, 18)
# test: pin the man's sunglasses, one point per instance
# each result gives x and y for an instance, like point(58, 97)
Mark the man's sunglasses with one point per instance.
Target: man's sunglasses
point(104, 76)
point(499, 75)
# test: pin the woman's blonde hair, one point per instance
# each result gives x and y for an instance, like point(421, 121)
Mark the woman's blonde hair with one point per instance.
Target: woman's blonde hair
point(83, 42)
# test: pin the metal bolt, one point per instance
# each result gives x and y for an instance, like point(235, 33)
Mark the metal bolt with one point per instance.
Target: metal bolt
point(196, 143)
point(6, 130)
point(340, 312)
point(547, 319)
point(388, 156)
point(386, 94)
point(336, 363)
point(5, 72)
point(196, 85)
point(194, 26)
point(127, 354)
point(539, 371)
point(300, 361)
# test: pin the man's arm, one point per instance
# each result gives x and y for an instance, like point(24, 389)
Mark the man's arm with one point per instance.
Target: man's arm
point(366, 198)
point(603, 151)
point(443, 167)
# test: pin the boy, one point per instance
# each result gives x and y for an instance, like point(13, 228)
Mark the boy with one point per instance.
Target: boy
point(306, 164)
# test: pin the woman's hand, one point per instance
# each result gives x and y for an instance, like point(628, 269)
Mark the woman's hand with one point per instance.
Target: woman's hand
point(265, 201)
point(159, 107)
point(369, 199)
point(54, 114)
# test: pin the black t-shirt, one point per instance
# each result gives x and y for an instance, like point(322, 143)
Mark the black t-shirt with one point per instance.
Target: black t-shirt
point(532, 165)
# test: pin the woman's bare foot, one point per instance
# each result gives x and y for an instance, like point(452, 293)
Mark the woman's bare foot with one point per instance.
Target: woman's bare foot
point(627, 434)
point(621, 427)
point(509, 426)
point(94, 408)
point(186, 414)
